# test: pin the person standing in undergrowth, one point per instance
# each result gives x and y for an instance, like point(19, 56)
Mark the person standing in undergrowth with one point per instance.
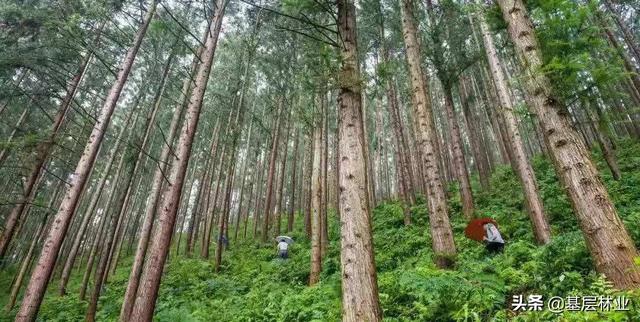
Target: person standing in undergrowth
point(283, 249)
point(492, 238)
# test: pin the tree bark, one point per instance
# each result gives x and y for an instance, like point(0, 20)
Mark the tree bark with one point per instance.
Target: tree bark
point(242, 184)
point(520, 163)
point(144, 304)
point(28, 258)
point(268, 207)
point(603, 140)
point(294, 167)
point(316, 206)
point(142, 145)
point(478, 146)
point(324, 156)
point(43, 150)
point(308, 215)
point(359, 285)
point(283, 175)
point(259, 197)
point(68, 266)
point(210, 210)
point(459, 160)
point(41, 274)
point(441, 233)
point(606, 237)
point(185, 204)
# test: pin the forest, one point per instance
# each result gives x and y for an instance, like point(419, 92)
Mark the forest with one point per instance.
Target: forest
point(314, 160)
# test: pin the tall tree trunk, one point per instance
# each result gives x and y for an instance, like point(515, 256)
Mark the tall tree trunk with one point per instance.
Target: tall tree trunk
point(259, 196)
point(41, 274)
point(520, 162)
point(359, 286)
point(477, 145)
point(294, 167)
point(28, 258)
point(268, 207)
point(606, 237)
point(242, 184)
point(459, 160)
point(143, 145)
point(101, 269)
point(223, 221)
point(145, 299)
point(308, 215)
point(194, 222)
point(283, 175)
point(43, 150)
point(210, 210)
point(441, 233)
point(406, 171)
point(99, 243)
point(603, 140)
point(316, 206)
point(68, 266)
point(324, 156)
point(185, 205)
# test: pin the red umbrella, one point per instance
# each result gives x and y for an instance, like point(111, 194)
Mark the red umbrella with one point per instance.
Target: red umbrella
point(475, 229)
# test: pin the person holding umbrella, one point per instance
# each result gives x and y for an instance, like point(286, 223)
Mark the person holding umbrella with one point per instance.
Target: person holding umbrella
point(486, 231)
point(283, 246)
point(492, 238)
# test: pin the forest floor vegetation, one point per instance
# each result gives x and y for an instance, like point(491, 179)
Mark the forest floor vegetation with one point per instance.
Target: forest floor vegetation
point(254, 285)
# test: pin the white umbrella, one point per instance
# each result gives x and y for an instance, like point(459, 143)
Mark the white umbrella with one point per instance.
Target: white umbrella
point(285, 239)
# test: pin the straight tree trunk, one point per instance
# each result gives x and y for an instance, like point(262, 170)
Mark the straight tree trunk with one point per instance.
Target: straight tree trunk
point(294, 166)
point(223, 222)
point(143, 145)
point(24, 266)
point(477, 145)
point(441, 233)
point(520, 163)
point(316, 206)
point(324, 156)
point(106, 218)
point(101, 269)
point(41, 274)
point(606, 237)
point(211, 209)
point(259, 197)
point(68, 266)
point(242, 184)
point(308, 215)
point(268, 207)
point(145, 299)
point(185, 205)
point(194, 222)
point(152, 200)
point(359, 282)
point(603, 141)
point(43, 149)
point(28, 258)
point(283, 175)
point(459, 160)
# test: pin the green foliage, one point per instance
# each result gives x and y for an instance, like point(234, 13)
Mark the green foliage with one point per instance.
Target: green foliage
point(254, 285)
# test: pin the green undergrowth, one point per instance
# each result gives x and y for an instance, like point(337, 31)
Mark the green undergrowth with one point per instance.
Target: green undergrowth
point(255, 286)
